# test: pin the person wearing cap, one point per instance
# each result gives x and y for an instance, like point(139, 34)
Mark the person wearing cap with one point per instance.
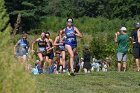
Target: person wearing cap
point(135, 37)
point(122, 40)
point(71, 33)
point(43, 45)
point(23, 48)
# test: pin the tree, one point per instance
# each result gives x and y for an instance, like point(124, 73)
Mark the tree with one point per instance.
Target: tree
point(33, 10)
point(4, 18)
point(5, 27)
point(30, 11)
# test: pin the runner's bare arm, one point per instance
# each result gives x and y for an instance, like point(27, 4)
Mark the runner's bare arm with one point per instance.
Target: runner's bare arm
point(16, 46)
point(55, 42)
point(138, 33)
point(34, 43)
point(52, 45)
point(28, 47)
point(77, 32)
point(60, 34)
point(48, 44)
point(116, 36)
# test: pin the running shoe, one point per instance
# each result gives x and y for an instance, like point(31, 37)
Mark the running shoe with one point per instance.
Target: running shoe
point(72, 74)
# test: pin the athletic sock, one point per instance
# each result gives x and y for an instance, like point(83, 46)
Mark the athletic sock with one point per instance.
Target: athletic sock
point(51, 69)
point(64, 70)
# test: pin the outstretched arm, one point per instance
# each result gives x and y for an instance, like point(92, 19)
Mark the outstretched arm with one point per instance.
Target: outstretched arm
point(55, 42)
point(50, 48)
point(78, 32)
point(48, 43)
point(116, 36)
point(16, 46)
point(28, 47)
point(33, 44)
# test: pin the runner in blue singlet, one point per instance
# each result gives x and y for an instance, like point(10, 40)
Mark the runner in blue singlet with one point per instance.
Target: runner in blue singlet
point(23, 48)
point(71, 33)
point(60, 51)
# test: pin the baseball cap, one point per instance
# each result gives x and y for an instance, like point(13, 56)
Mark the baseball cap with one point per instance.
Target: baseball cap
point(137, 25)
point(123, 29)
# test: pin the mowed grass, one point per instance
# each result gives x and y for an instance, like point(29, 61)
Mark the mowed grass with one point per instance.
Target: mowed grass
point(110, 82)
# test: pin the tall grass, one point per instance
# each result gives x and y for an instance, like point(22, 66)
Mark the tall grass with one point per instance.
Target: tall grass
point(14, 78)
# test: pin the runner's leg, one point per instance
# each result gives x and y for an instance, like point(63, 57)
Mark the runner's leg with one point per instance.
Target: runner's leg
point(70, 51)
point(63, 60)
point(138, 64)
point(41, 60)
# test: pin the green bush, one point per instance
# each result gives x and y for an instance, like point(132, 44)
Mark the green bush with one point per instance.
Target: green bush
point(103, 45)
point(85, 24)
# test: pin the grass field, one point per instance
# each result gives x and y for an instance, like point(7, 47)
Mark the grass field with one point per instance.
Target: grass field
point(110, 82)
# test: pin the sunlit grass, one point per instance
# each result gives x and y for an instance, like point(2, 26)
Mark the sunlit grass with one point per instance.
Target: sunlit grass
point(110, 82)
point(14, 78)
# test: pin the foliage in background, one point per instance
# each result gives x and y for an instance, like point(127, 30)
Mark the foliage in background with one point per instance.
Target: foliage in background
point(5, 27)
point(98, 33)
point(33, 11)
point(110, 15)
point(14, 79)
point(85, 24)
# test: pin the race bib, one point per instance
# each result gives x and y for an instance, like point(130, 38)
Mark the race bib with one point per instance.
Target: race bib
point(41, 49)
point(71, 39)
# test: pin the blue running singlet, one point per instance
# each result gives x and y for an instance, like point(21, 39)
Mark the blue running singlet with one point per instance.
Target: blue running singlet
point(70, 38)
point(62, 45)
point(22, 47)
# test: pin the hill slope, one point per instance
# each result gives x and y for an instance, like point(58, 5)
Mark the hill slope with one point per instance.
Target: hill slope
point(110, 82)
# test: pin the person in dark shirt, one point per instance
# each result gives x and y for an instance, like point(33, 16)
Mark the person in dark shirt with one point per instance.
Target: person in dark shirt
point(136, 45)
point(86, 56)
point(76, 62)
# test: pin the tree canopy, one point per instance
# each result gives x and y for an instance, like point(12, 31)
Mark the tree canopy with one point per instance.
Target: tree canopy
point(4, 18)
point(5, 27)
point(33, 10)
